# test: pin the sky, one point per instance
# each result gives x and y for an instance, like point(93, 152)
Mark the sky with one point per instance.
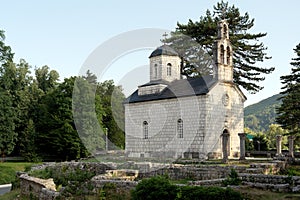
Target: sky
point(66, 35)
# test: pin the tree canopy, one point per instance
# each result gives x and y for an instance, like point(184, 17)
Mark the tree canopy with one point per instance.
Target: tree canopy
point(248, 52)
point(289, 111)
point(37, 118)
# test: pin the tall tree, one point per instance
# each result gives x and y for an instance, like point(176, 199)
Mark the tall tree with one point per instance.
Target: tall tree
point(289, 111)
point(45, 78)
point(274, 130)
point(7, 126)
point(112, 97)
point(87, 113)
point(248, 51)
point(5, 51)
point(57, 135)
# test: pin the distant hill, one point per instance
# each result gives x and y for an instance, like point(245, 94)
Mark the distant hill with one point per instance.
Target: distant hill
point(259, 116)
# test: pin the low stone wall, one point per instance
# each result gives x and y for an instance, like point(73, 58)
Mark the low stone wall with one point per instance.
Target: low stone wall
point(98, 168)
point(126, 185)
point(36, 188)
point(196, 173)
point(213, 182)
point(206, 175)
point(278, 183)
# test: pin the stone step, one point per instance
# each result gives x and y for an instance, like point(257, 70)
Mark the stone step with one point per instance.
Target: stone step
point(255, 170)
point(269, 186)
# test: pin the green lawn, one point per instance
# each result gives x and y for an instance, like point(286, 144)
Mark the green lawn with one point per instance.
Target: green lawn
point(8, 170)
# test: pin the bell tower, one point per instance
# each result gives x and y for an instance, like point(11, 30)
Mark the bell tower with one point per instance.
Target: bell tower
point(223, 54)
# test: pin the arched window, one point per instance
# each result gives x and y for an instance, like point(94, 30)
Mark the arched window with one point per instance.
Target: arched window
point(145, 130)
point(228, 55)
point(224, 31)
point(169, 69)
point(222, 54)
point(180, 128)
point(155, 71)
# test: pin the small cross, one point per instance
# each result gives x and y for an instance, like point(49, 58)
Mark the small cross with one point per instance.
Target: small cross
point(165, 35)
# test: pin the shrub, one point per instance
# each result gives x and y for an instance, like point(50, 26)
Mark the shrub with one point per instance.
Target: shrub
point(161, 188)
point(232, 179)
point(154, 188)
point(111, 192)
point(207, 193)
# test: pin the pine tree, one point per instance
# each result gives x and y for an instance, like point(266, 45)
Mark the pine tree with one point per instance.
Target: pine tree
point(248, 51)
point(5, 51)
point(289, 111)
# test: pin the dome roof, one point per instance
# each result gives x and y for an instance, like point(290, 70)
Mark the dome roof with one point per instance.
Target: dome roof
point(164, 50)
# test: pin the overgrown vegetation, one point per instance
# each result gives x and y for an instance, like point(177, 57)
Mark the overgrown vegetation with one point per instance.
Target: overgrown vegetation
point(110, 192)
point(76, 182)
point(161, 188)
point(232, 179)
point(292, 170)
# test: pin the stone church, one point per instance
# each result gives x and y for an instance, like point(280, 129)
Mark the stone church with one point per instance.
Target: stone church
point(175, 117)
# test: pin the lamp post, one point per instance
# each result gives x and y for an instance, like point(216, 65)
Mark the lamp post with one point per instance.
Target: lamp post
point(106, 139)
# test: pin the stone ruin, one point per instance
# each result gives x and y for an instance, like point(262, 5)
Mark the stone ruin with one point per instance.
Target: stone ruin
point(258, 175)
point(121, 174)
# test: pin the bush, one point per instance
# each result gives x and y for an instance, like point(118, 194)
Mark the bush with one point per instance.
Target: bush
point(161, 188)
point(207, 193)
point(154, 188)
point(75, 181)
point(232, 179)
point(64, 175)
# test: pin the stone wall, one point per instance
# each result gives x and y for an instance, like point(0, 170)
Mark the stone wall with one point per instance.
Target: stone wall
point(194, 173)
point(278, 183)
point(126, 185)
point(98, 168)
point(36, 188)
point(204, 119)
point(206, 175)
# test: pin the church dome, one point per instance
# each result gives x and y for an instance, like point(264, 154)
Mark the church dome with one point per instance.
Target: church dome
point(164, 50)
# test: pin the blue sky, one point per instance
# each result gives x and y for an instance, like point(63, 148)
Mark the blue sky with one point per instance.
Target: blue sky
point(63, 34)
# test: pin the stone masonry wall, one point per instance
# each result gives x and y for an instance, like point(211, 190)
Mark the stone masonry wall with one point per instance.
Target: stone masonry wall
point(162, 116)
point(224, 114)
point(36, 188)
point(203, 175)
point(278, 183)
point(195, 173)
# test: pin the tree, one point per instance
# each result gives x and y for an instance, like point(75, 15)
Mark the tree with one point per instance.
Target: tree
point(56, 132)
point(87, 112)
point(46, 79)
point(289, 111)
point(112, 98)
point(248, 51)
point(5, 51)
point(274, 130)
point(260, 142)
point(7, 125)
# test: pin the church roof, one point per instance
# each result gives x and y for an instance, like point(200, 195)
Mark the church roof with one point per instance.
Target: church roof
point(177, 88)
point(163, 50)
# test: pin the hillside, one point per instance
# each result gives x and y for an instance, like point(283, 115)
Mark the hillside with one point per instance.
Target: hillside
point(259, 116)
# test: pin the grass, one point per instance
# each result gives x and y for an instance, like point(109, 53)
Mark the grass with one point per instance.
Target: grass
point(8, 171)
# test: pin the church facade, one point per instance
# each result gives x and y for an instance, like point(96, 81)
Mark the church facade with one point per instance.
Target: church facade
point(174, 117)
